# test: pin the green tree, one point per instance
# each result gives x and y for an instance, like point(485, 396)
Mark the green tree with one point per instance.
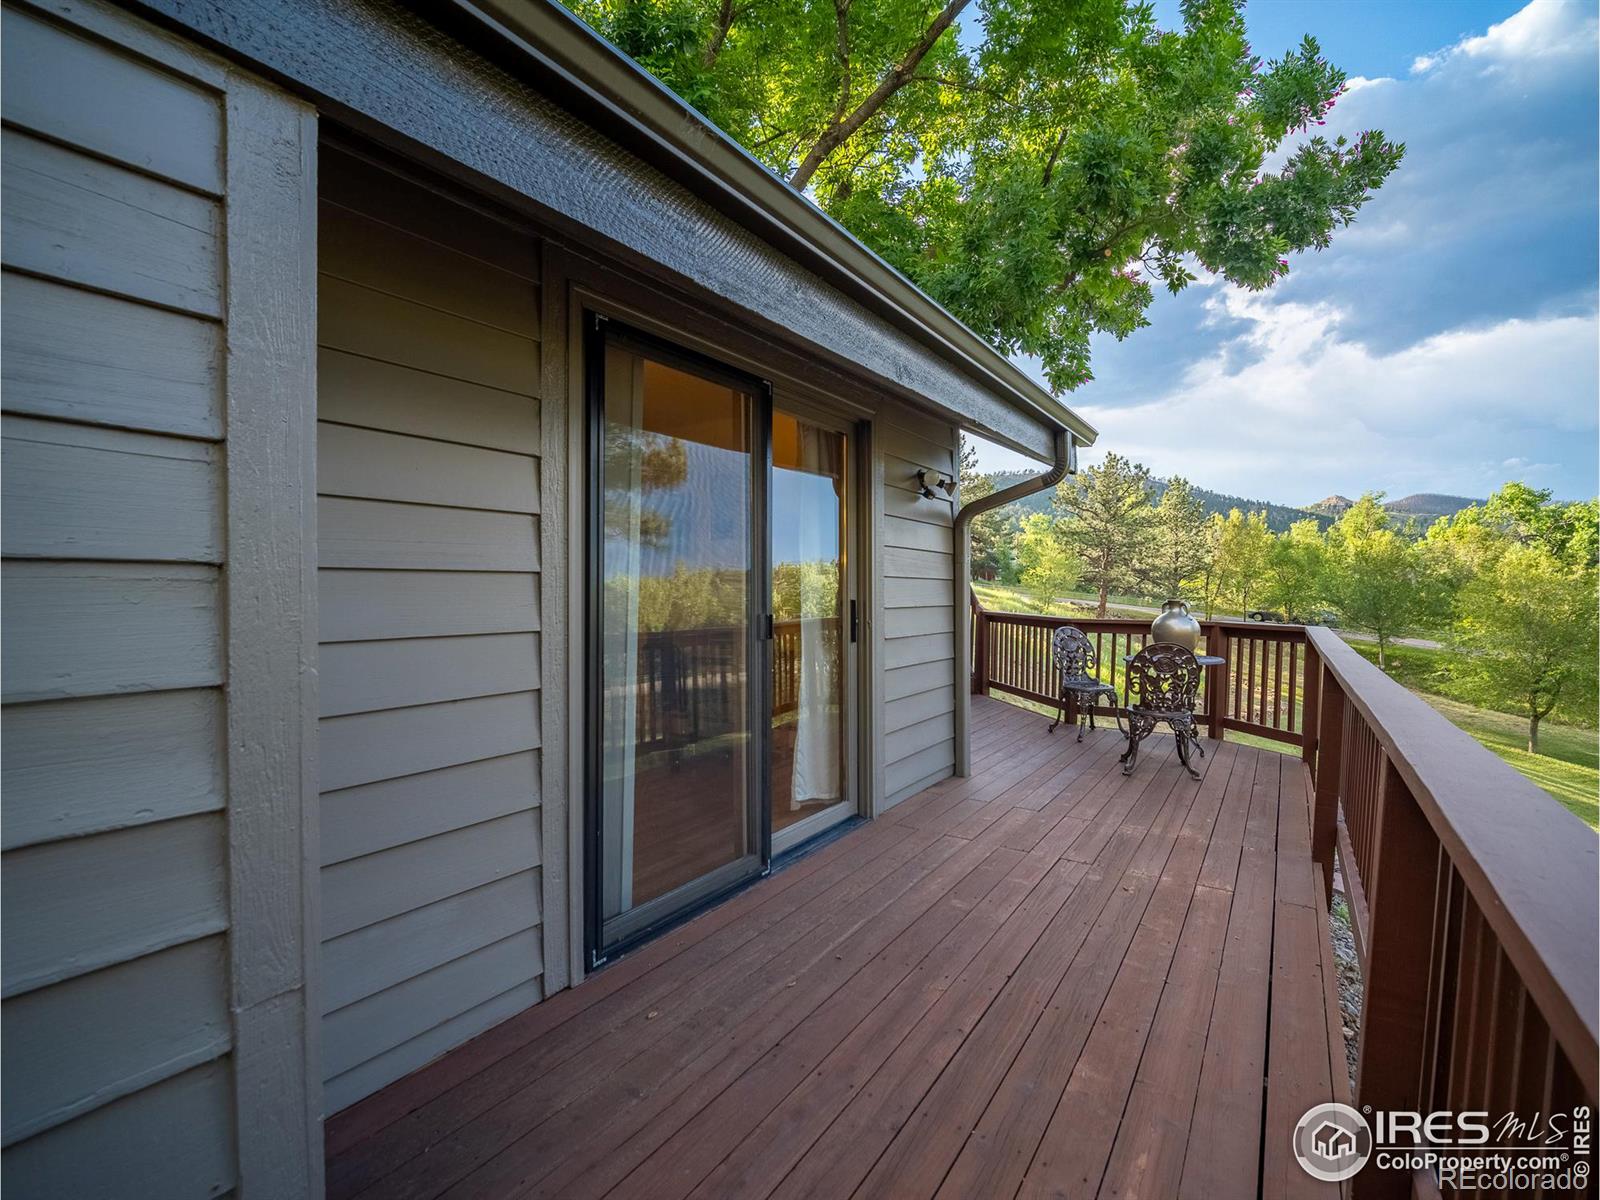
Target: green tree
point(1244, 546)
point(1042, 174)
point(1007, 569)
point(1048, 567)
point(1377, 579)
point(1109, 522)
point(1296, 565)
point(1178, 549)
point(988, 529)
point(1209, 577)
point(1521, 515)
point(1526, 625)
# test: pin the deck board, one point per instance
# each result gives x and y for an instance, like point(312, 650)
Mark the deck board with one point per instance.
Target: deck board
point(1016, 983)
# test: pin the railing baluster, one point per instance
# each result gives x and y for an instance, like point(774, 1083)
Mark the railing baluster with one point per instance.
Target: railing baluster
point(1277, 684)
point(1294, 724)
point(1468, 966)
point(1505, 1015)
point(1400, 896)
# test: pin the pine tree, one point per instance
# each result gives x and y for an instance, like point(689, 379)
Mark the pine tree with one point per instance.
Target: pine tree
point(1110, 523)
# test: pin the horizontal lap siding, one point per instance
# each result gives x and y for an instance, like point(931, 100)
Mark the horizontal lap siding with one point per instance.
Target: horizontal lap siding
point(918, 622)
point(428, 540)
point(115, 940)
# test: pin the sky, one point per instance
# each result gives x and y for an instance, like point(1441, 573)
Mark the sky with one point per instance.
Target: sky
point(1447, 341)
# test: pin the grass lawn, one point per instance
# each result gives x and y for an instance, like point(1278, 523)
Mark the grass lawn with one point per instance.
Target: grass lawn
point(1005, 597)
point(1567, 760)
point(1565, 766)
point(1427, 670)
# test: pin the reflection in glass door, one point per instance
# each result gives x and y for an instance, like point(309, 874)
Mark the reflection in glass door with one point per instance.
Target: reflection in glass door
point(809, 751)
point(679, 543)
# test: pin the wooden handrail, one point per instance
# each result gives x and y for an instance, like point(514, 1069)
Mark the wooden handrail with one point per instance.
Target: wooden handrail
point(1528, 866)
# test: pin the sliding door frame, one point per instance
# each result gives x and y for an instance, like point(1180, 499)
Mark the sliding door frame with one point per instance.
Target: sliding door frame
point(650, 918)
point(853, 544)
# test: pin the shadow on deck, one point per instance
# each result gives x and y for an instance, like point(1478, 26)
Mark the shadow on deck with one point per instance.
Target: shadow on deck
point(1044, 980)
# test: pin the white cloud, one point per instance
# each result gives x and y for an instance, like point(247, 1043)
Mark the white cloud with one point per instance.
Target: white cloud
point(1360, 83)
point(1446, 342)
point(1312, 412)
point(1529, 38)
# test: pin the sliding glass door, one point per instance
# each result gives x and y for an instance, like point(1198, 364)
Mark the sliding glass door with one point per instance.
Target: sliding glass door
point(721, 644)
point(680, 623)
point(812, 763)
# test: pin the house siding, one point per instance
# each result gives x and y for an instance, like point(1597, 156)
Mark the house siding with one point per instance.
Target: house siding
point(428, 534)
point(917, 634)
point(130, 1011)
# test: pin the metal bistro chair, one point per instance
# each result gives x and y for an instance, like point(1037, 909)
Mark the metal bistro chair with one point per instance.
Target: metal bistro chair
point(1163, 680)
point(1076, 663)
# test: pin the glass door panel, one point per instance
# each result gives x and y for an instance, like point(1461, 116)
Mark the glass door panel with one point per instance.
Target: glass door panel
point(810, 760)
point(680, 586)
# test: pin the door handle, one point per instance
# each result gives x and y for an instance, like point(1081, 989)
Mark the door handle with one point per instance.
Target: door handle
point(854, 621)
point(769, 627)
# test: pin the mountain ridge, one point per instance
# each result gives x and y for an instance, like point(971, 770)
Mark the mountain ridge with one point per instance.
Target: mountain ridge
point(1424, 506)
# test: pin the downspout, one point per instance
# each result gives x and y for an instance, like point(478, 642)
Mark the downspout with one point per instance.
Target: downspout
point(962, 544)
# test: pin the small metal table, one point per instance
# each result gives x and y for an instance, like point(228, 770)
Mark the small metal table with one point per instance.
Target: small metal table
point(1205, 660)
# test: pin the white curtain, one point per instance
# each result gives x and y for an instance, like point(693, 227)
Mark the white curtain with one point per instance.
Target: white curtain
point(817, 746)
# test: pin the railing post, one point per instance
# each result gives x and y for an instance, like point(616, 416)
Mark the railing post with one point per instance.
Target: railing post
point(1216, 679)
point(1309, 687)
point(1400, 902)
point(1330, 747)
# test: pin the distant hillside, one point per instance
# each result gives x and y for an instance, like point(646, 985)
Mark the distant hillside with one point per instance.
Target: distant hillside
point(1279, 516)
point(1429, 506)
point(1424, 507)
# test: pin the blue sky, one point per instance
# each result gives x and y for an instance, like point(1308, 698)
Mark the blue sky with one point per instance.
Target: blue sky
point(1447, 341)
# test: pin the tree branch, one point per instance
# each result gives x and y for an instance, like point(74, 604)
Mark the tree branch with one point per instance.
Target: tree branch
point(767, 141)
point(1111, 239)
point(1055, 153)
point(841, 43)
point(844, 126)
point(725, 17)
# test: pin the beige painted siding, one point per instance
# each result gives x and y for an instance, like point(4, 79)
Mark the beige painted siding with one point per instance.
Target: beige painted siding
point(428, 535)
point(127, 1007)
point(917, 647)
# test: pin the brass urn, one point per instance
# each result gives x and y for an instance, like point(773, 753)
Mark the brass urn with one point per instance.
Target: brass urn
point(1175, 625)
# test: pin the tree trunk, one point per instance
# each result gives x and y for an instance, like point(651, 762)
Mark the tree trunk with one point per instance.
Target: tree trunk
point(1533, 731)
point(1382, 643)
point(1104, 590)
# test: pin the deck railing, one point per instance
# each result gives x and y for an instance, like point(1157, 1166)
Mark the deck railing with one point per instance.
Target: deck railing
point(1258, 690)
point(1472, 899)
point(1471, 892)
point(689, 683)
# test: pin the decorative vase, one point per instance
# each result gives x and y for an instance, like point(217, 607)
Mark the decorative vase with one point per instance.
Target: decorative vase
point(1175, 625)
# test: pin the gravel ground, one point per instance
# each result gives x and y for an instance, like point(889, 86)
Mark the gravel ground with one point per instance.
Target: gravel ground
point(1344, 954)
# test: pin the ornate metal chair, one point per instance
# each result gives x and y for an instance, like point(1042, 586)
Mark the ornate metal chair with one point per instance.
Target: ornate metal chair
point(1076, 663)
point(1163, 680)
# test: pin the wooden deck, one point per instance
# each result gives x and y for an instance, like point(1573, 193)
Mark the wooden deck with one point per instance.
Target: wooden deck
point(1044, 980)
